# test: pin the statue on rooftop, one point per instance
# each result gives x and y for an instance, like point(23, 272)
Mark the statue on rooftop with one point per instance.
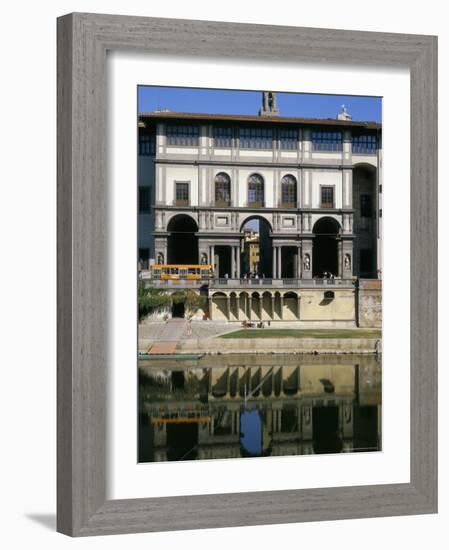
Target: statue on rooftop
point(269, 104)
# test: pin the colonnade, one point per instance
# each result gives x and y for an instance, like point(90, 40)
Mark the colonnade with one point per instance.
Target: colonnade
point(255, 306)
point(235, 258)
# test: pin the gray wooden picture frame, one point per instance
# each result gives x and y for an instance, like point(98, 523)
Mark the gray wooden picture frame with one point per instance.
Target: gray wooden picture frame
point(83, 40)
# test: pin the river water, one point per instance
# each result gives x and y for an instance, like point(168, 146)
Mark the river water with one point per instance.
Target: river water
point(258, 405)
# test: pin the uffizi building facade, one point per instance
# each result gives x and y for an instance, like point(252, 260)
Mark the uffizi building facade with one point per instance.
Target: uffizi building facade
point(310, 188)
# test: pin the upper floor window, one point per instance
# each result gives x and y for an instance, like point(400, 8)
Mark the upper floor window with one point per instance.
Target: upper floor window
point(182, 196)
point(327, 141)
point(288, 138)
point(144, 200)
point(222, 189)
point(147, 144)
point(289, 189)
point(222, 136)
point(327, 197)
point(256, 138)
point(255, 191)
point(365, 206)
point(183, 135)
point(364, 144)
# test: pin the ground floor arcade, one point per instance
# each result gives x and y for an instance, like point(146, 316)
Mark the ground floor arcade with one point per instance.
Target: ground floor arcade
point(337, 305)
point(325, 246)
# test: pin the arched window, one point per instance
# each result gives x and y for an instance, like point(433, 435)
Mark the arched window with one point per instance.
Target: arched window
point(222, 189)
point(256, 191)
point(288, 191)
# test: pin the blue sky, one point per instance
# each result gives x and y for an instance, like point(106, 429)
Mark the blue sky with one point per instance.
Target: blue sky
point(198, 100)
point(251, 430)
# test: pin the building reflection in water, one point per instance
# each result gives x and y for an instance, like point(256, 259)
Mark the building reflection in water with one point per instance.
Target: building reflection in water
point(243, 406)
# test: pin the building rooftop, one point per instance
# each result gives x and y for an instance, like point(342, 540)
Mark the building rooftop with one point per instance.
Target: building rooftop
point(261, 119)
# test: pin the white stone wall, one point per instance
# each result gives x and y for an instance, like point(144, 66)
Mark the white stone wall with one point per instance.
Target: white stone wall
point(181, 173)
point(329, 178)
point(201, 180)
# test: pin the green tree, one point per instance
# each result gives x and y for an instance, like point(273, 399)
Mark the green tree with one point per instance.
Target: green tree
point(152, 300)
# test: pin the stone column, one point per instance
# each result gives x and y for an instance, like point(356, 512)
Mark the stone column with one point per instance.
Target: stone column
point(238, 275)
point(279, 262)
point(281, 302)
point(232, 262)
point(340, 259)
point(249, 307)
point(298, 263)
point(273, 306)
point(274, 262)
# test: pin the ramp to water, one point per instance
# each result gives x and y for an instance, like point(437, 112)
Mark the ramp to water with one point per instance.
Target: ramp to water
point(169, 337)
point(162, 348)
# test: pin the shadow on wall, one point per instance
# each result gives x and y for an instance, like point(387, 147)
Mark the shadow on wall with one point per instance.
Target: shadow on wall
point(329, 296)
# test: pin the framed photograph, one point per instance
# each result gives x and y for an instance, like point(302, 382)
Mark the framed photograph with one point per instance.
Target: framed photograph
point(247, 284)
point(260, 258)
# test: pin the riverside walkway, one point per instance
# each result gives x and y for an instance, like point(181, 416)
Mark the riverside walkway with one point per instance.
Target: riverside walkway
point(181, 336)
point(162, 337)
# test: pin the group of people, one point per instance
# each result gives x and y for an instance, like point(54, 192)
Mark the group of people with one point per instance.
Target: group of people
point(253, 275)
point(250, 275)
point(251, 324)
point(326, 275)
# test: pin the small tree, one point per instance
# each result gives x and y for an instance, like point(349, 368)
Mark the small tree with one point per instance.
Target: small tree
point(151, 300)
point(193, 301)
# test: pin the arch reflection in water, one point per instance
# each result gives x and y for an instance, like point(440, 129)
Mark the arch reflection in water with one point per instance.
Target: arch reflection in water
point(246, 406)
